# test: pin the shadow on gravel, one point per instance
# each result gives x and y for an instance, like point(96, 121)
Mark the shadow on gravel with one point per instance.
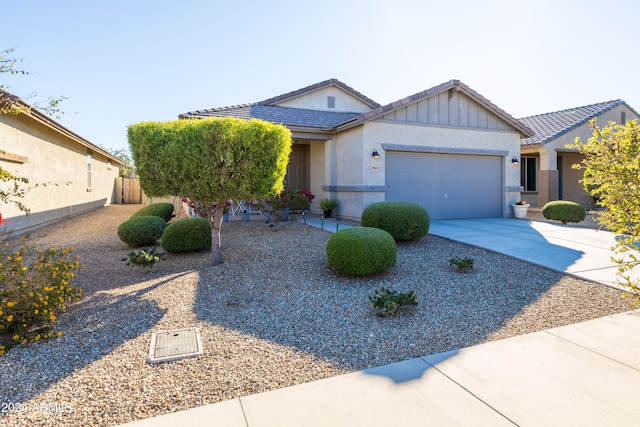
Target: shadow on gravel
point(282, 290)
point(93, 328)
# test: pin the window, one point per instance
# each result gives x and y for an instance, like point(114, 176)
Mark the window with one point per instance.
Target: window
point(623, 118)
point(331, 102)
point(89, 158)
point(528, 173)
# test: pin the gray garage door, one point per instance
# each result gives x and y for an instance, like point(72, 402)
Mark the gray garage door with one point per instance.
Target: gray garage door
point(448, 186)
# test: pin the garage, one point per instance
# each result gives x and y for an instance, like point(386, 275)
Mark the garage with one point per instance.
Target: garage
point(449, 186)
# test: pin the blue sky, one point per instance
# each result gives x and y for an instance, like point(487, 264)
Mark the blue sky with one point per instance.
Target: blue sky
point(124, 61)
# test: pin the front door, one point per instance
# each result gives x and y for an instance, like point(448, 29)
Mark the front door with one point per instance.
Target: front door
point(298, 168)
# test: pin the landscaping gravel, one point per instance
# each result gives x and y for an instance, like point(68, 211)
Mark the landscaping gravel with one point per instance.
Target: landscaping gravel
point(273, 315)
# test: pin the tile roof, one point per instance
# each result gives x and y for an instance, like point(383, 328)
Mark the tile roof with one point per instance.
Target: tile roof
point(330, 120)
point(450, 85)
point(283, 115)
point(549, 126)
point(331, 82)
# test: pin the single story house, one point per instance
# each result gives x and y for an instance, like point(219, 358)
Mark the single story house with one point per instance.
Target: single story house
point(67, 174)
point(447, 148)
point(546, 162)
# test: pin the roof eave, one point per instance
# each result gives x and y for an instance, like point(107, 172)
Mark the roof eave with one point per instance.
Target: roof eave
point(524, 130)
point(45, 120)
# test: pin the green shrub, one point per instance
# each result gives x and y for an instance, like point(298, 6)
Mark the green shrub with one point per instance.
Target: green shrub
point(162, 210)
point(388, 302)
point(187, 235)
point(145, 257)
point(564, 211)
point(361, 251)
point(463, 265)
point(141, 231)
point(403, 220)
point(35, 288)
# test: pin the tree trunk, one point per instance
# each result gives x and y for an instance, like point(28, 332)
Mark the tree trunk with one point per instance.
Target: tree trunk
point(216, 225)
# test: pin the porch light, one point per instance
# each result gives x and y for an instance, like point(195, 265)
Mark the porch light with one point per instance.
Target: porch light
point(375, 154)
point(515, 161)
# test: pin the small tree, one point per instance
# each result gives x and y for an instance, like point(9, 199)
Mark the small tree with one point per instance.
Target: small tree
point(612, 176)
point(210, 161)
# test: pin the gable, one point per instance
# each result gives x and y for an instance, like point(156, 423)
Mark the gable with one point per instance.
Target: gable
point(319, 100)
point(449, 108)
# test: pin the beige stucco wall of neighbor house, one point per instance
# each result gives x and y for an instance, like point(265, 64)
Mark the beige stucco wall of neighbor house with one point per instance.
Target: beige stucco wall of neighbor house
point(548, 175)
point(360, 178)
point(54, 159)
point(317, 100)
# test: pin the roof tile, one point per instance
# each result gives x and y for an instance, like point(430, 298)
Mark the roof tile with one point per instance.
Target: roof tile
point(549, 126)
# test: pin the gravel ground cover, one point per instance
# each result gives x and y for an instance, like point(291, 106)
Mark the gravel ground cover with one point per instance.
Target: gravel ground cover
point(273, 315)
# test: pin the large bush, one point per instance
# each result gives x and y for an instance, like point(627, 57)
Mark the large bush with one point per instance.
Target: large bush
point(403, 220)
point(35, 287)
point(163, 210)
point(187, 235)
point(564, 211)
point(361, 251)
point(141, 231)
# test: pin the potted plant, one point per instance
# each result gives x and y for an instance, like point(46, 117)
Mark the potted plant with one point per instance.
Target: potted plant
point(328, 205)
point(520, 208)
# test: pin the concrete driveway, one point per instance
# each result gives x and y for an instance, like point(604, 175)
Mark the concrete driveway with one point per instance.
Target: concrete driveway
point(581, 252)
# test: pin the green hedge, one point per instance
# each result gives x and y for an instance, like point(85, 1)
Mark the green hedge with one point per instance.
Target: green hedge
point(361, 251)
point(187, 235)
point(403, 220)
point(141, 231)
point(162, 210)
point(564, 211)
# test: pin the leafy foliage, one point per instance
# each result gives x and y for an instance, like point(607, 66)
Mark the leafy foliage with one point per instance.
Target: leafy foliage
point(13, 105)
point(389, 302)
point(286, 204)
point(361, 251)
point(463, 265)
point(145, 257)
point(612, 176)
point(162, 210)
point(403, 220)
point(187, 235)
point(35, 286)
point(564, 210)
point(141, 231)
point(328, 204)
point(211, 161)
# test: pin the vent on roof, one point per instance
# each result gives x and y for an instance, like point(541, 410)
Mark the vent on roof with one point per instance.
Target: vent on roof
point(167, 346)
point(331, 102)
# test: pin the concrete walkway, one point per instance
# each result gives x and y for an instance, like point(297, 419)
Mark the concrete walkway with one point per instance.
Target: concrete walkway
point(585, 374)
point(582, 252)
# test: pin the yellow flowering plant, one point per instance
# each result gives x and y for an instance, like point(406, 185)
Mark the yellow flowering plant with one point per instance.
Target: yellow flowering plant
point(35, 286)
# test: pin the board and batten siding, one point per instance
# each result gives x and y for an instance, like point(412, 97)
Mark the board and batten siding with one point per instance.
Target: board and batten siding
point(448, 109)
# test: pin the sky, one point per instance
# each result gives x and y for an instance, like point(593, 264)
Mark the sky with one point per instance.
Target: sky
point(121, 62)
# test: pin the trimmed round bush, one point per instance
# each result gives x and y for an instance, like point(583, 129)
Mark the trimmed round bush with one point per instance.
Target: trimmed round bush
point(565, 211)
point(187, 235)
point(361, 251)
point(162, 210)
point(141, 231)
point(403, 220)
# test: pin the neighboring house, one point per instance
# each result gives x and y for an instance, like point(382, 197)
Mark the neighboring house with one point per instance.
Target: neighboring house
point(446, 148)
point(546, 162)
point(67, 174)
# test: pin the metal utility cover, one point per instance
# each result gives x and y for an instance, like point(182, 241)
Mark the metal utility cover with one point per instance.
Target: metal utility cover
point(167, 346)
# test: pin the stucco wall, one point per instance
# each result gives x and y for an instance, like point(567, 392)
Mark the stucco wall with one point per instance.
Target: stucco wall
point(317, 100)
point(360, 178)
point(57, 161)
point(548, 153)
